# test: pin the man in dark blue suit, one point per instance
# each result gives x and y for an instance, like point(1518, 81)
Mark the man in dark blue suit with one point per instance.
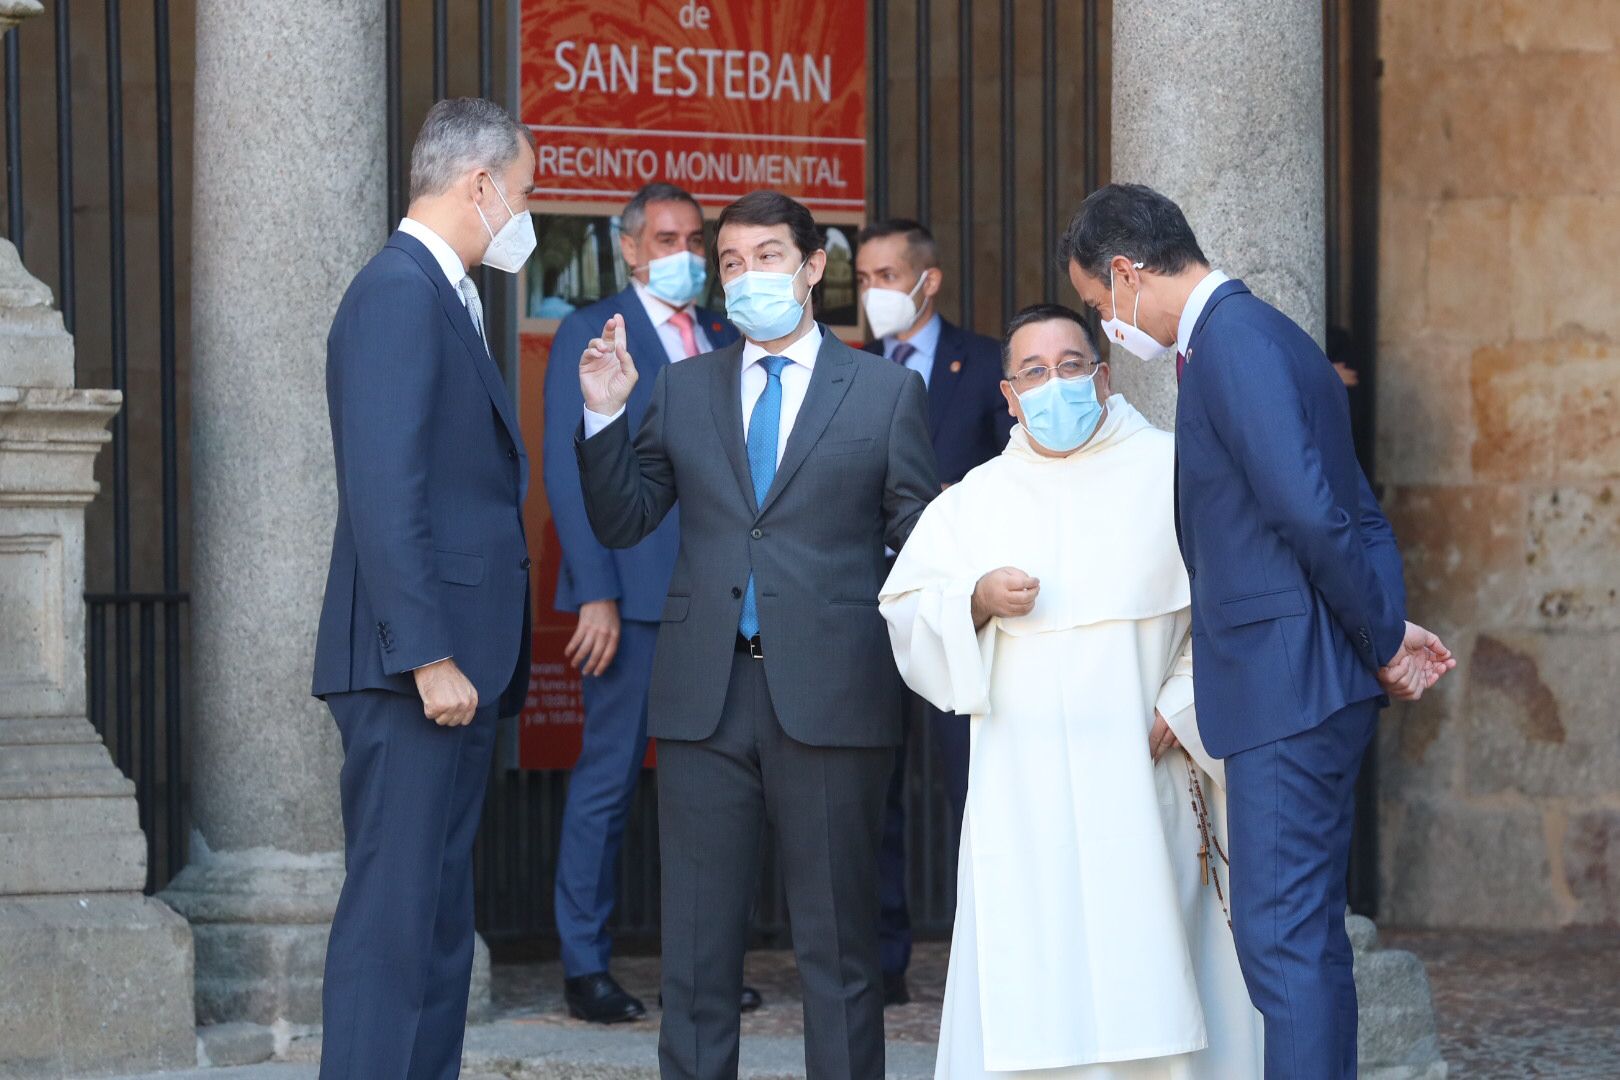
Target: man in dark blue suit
point(899, 278)
point(1298, 605)
point(423, 639)
point(619, 594)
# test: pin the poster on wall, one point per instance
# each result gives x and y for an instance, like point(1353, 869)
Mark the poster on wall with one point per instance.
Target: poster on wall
point(718, 96)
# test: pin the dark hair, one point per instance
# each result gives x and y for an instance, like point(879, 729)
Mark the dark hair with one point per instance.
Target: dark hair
point(920, 246)
point(766, 207)
point(1039, 313)
point(635, 211)
point(1131, 220)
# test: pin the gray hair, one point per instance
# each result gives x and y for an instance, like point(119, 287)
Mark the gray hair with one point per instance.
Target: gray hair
point(635, 211)
point(459, 135)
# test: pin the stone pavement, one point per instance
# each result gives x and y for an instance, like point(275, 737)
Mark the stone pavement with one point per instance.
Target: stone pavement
point(1509, 1005)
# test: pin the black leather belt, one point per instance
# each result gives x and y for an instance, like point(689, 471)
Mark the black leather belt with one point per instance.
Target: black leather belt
point(751, 646)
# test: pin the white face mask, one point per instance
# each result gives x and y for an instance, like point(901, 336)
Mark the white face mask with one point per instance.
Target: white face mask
point(1132, 338)
point(510, 248)
point(889, 311)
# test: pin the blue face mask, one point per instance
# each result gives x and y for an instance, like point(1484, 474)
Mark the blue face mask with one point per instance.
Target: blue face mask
point(677, 278)
point(763, 305)
point(1060, 414)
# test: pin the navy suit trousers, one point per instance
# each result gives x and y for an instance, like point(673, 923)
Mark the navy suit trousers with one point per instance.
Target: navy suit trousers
point(398, 965)
point(1290, 807)
point(950, 736)
point(600, 790)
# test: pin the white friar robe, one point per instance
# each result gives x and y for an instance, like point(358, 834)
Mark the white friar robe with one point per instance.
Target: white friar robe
point(1087, 944)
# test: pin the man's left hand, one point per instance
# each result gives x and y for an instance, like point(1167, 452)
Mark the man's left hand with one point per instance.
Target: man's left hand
point(1422, 659)
point(1161, 740)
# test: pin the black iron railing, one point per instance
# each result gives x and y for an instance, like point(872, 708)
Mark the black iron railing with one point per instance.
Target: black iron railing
point(134, 638)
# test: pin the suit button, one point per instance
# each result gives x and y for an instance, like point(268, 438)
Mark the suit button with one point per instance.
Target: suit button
point(736, 593)
point(511, 454)
point(525, 564)
point(756, 534)
point(1191, 573)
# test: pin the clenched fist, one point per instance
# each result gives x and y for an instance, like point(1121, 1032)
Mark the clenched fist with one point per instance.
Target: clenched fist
point(1005, 594)
point(606, 372)
point(448, 699)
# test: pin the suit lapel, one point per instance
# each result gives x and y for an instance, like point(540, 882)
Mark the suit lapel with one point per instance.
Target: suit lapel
point(725, 400)
point(946, 376)
point(456, 312)
point(829, 382)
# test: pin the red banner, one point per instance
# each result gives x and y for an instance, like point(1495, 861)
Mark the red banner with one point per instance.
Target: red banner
point(718, 96)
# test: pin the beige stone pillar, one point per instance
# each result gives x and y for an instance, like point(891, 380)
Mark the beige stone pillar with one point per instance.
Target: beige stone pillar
point(93, 975)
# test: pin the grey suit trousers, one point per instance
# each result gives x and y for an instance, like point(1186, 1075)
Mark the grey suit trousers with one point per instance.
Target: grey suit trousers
point(825, 805)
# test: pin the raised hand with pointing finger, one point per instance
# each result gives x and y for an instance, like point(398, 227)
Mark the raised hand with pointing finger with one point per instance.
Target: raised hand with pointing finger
point(607, 375)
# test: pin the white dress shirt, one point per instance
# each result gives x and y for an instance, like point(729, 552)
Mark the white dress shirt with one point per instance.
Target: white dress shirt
point(1196, 301)
point(660, 313)
point(795, 384)
point(439, 248)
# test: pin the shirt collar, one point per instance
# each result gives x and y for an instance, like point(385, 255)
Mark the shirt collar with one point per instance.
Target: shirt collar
point(803, 351)
point(439, 248)
point(925, 341)
point(1195, 307)
point(657, 311)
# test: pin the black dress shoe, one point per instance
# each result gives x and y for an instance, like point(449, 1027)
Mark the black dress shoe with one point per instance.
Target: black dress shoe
point(600, 999)
point(895, 991)
point(751, 1000)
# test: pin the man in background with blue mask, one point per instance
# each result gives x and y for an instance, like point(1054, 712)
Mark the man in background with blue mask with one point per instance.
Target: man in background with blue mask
point(1044, 597)
point(618, 594)
point(774, 699)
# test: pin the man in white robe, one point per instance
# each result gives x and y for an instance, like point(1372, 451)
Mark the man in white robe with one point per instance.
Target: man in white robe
point(1045, 597)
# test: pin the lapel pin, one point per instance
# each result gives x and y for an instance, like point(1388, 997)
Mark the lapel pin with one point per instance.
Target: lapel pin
point(956, 365)
point(715, 327)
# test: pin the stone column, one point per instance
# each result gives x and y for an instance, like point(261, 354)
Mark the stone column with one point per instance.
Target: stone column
point(1218, 104)
point(289, 200)
point(95, 975)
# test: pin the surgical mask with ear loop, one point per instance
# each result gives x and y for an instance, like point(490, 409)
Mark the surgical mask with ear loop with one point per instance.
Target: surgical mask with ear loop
point(511, 247)
point(890, 311)
point(1131, 337)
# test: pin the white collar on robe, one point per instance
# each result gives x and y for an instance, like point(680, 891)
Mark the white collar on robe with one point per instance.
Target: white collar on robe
point(1097, 527)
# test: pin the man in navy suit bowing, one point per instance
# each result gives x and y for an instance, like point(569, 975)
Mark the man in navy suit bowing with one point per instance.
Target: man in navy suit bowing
point(424, 631)
point(898, 275)
point(1299, 627)
point(618, 594)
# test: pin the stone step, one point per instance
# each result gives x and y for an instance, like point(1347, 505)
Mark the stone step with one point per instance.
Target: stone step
point(17, 730)
point(102, 781)
point(532, 1049)
point(32, 759)
point(69, 814)
point(48, 863)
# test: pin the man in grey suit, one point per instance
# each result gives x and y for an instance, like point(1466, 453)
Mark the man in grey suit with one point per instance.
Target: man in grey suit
point(774, 693)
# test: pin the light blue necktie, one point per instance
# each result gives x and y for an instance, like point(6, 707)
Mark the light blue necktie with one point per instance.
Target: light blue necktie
point(764, 425)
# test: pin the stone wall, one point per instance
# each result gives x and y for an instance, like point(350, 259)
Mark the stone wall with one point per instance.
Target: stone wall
point(1499, 445)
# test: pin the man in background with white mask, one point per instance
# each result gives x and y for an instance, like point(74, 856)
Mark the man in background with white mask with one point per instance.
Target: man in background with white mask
point(618, 594)
point(774, 694)
point(900, 281)
point(423, 639)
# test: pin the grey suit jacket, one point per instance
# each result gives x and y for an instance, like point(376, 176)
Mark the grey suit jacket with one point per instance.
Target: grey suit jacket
point(857, 472)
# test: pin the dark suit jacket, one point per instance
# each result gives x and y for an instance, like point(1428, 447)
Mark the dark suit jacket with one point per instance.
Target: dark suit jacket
point(636, 577)
point(855, 475)
point(968, 419)
point(429, 559)
point(1297, 597)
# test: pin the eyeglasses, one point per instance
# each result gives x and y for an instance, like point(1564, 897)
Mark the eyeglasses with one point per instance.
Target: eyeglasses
point(1031, 377)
